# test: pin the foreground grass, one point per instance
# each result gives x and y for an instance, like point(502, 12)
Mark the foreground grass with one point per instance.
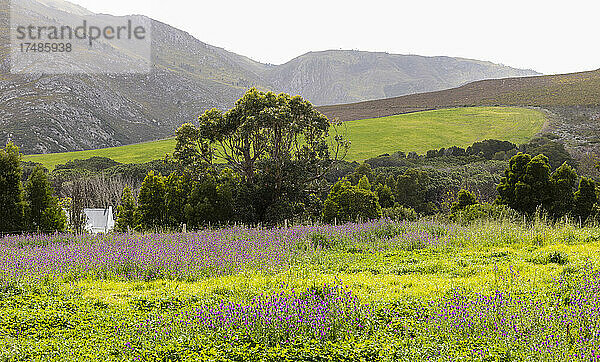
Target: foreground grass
point(419, 132)
point(426, 291)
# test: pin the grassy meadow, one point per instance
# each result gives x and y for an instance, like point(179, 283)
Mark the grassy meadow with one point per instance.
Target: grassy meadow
point(429, 130)
point(377, 291)
point(136, 153)
point(418, 132)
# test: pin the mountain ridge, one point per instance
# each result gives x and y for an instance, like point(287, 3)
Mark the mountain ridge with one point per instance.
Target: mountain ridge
point(57, 113)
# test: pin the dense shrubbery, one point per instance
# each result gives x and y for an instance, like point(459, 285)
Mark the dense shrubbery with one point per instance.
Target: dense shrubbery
point(397, 187)
point(351, 203)
point(400, 213)
point(504, 150)
point(272, 158)
point(484, 211)
point(33, 208)
point(529, 184)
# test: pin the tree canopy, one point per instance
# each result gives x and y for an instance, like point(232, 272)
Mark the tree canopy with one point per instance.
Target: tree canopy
point(281, 147)
point(44, 212)
point(12, 216)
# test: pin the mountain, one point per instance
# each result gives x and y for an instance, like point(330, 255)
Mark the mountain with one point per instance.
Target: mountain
point(55, 113)
point(344, 76)
point(50, 113)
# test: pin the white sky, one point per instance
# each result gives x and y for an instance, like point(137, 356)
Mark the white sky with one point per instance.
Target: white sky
point(548, 36)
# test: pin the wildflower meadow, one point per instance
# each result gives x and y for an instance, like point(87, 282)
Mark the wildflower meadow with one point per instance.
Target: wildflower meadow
point(376, 291)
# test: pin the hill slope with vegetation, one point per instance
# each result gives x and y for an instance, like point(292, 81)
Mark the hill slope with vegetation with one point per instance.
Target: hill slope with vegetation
point(572, 102)
point(418, 132)
point(576, 89)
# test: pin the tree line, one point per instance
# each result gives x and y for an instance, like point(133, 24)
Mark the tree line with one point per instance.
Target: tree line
point(273, 158)
point(31, 207)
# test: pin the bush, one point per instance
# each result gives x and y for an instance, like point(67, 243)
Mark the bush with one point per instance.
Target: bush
point(152, 210)
point(464, 199)
point(484, 211)
point(551, 257)
point(126, 212)
point(526, 185)
point(548, 146)
point(350, 203)
point(584, 199)
point(211, 200)
point(385, 195)
point(93, 164)
point(400, 213)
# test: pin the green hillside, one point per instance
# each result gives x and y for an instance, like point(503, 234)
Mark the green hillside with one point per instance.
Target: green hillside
point(138, 153)
point(423, 131)
point(417, 132)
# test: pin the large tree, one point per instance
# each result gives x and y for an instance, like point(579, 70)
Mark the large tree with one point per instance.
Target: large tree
point(280, 145)
point(12, 205)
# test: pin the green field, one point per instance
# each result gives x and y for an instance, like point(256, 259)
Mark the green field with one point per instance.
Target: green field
point(417, 132)
point(423, 131)
point(137, 153)
point(380, 291)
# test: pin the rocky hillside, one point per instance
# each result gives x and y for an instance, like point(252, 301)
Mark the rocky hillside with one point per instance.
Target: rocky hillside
point(55, 113)
point(338, 76)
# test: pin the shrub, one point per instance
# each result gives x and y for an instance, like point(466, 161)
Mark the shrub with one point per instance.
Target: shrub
point(400, 213)
point(463, 200)
point(126, 212)
point(526, 184)
point(152, 202)
point(564, 181)
point(350, 203)
point(585, 198)
point(551, 257)
point(484, 211)
point(385, 195)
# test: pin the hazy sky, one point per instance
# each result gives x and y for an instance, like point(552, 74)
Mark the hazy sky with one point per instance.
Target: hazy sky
point(548, 36)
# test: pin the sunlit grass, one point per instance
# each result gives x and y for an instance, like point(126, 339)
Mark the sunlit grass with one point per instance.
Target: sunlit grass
point(418, 132)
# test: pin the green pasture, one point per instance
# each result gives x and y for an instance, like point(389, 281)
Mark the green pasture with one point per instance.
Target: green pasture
point(418, 132)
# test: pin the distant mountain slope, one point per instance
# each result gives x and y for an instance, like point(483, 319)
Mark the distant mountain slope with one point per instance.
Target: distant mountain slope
point(572, 102)
point(577, 89)
point(57, 113)
point(52, 113)
point(340, 76)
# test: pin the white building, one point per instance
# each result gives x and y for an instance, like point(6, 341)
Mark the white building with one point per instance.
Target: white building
point(99, 220)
